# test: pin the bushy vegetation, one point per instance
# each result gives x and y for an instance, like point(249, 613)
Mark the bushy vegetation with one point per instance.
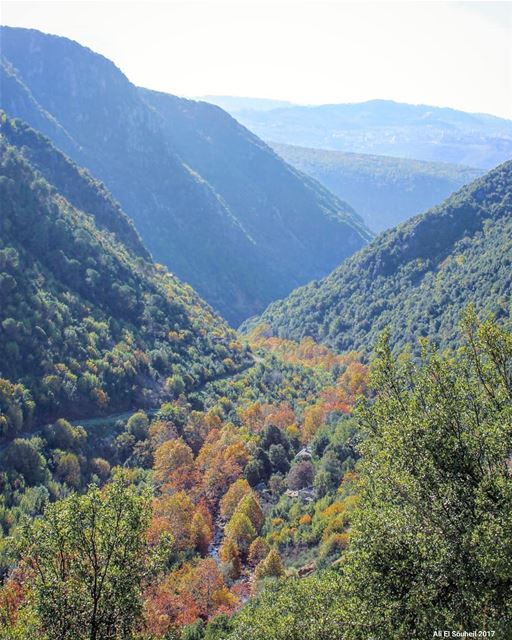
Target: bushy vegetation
point(277, 489)
point(414, 280)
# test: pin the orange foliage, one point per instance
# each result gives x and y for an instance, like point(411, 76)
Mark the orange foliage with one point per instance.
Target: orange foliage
point(220, 462)
point(190, 592)
point(232, 497)
point(174, 465)
point(189, 525)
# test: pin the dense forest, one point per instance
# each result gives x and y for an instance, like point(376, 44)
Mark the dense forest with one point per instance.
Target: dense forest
point(190, 177)
point(88, 326)
point(414, 280)
point(339, 468)
point(384, 190)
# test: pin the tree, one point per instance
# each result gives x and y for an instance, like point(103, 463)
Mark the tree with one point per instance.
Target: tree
point(194, 631)
point(68, 470)
point(278, 458)
point(232, 497)
point(62, 435)
point(254, 472)
point(293, 609)
point(231, 564)
point(313, 419)
point(271, 567)
point(174, 515)
point(22, 456)
point(138, 425)
point(431, 545)
point(206, 585)
point(201, 532)
point(241, 530)
point(258, 551)
point(301, 475)
point(87, 557)
point(249, 505)
point(174, 464)
point(218, 628)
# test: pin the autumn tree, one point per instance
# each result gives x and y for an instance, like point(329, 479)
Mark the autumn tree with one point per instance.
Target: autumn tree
point(174, 515)
point(201, 532)
point(232, 497)
point(230, 557)
point(258, 551)
point(271, 567)
point(241, 530)
point(174, 464)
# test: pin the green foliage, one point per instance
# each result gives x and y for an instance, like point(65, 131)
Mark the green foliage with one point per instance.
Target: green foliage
point(431, 546)
point(16, 407)
point(194, 631)
point(87, 557)
point(414, 280)
point(137, 425)
point(22, 456)
point(292, 609)
point(270, 567)
point(74, 183)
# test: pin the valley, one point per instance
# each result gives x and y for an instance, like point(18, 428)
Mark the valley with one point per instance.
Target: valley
point(250, 388)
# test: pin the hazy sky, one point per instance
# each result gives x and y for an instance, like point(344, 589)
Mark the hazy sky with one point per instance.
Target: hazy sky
point(456, 54)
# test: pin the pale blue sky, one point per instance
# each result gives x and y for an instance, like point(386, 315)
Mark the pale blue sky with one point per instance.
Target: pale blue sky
point(456, 54)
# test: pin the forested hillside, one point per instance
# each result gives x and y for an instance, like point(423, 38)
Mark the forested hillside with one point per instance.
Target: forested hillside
point(384, 127)
point(384, 190)
point(211, 201)
point(414, 280)
point(339, 468)
point(88, 324)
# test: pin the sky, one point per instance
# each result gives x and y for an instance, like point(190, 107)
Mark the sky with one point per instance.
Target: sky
point(454, 54)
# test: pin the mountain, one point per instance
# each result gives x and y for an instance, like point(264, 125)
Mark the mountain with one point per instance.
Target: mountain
point(413, 280)
point(76, 184)
point(210, 200)
point(88, 324)
point(384, 190)
point(232, 104)
point(384, 127)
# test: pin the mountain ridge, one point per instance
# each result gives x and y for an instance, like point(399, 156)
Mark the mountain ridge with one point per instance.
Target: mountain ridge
point(414, 279)
point(385, 190)
point(193, 217)
point(386, 127)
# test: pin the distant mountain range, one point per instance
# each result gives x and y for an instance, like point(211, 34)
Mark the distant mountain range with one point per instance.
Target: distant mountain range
point(232, 104)
point(384, 190)
point(383, 127)
point(413, 280)
point(210, 200)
